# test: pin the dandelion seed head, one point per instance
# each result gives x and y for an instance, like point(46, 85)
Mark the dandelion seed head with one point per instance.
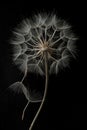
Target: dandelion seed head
point(44, 34)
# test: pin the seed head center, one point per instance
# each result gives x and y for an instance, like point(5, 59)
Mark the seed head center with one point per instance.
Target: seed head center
point(44, 47)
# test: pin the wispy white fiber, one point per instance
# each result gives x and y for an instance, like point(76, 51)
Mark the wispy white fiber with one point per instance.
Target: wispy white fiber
point(43, 33)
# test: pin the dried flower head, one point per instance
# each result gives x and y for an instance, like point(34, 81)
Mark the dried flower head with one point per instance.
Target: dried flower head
point(41, 45)
point(43, 34)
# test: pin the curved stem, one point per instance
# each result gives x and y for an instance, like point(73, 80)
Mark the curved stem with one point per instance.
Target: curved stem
point(45, 92)
point(25, 109)
point(25, 73)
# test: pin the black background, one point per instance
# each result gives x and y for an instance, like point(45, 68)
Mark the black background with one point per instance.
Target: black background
point(66, 104)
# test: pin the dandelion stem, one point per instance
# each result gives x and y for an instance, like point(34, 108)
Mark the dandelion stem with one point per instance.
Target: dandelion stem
point(25, 73)
point(25, 109)
point(45, 92)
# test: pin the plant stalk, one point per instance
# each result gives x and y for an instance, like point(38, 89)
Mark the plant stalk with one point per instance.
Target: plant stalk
point(45, 92)
point(25, 109)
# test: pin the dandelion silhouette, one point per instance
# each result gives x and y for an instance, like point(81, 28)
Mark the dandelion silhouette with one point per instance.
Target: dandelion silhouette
point(42, 45)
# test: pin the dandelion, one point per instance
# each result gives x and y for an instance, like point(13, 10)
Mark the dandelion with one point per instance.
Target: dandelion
point(42, 45)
